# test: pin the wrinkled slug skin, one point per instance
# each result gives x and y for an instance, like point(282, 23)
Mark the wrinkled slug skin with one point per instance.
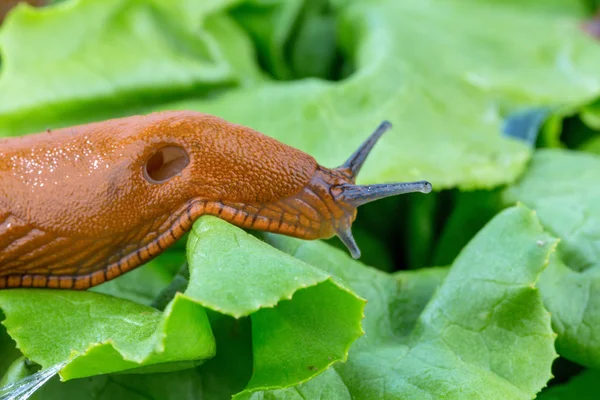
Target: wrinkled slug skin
point(76, 208)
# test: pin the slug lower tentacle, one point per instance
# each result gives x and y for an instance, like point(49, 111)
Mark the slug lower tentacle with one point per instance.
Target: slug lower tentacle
point(83, 205)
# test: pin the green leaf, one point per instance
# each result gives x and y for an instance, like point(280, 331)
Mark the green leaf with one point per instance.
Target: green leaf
point(549, 135)
point(295, 38)
point(402, 295)
point(181, 385)
point(328, 385)
point(271, 26)
point(591, 115)
point(403, 298)
point(314, 50)
point(233, 273)
point(563, 187)
point(100, 334)
point(415, 289)
point(484, 334)
point(108, 58)
point(582, 387)
point(303, 320)
point(230, 371)
point(448, 109)
point(21, 368)
point(8, 351)
point(219, 378)
point(573, 298)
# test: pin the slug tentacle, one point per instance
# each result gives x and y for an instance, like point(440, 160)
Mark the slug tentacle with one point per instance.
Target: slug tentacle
point(345, 235)
point(353, 165)
point(345, 196)
point(358, 195)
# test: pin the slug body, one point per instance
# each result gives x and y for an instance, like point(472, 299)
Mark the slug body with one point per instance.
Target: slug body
point(83, 205)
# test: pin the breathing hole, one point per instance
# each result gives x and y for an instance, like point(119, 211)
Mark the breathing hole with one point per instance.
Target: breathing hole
point(165, 164)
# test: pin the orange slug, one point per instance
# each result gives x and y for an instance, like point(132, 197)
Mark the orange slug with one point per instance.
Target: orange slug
point(80, 206)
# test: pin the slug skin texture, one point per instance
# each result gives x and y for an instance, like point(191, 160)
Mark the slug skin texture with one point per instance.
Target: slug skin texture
point(83, 205)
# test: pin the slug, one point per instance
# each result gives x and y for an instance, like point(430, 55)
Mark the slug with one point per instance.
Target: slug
point(82, 205)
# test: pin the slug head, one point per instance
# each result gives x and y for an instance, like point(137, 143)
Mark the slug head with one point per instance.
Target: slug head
point(340, 197)
point(263, 184)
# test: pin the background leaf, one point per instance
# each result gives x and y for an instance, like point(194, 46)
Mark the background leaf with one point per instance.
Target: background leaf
point(448, 110)
point(458, 103)
point(500, 346)
point(109, 58)
point(8, 351)
point(563, 187)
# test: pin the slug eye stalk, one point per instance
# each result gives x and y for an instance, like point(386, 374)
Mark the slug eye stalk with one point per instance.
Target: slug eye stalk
point(357, 195)
point(353, 165)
